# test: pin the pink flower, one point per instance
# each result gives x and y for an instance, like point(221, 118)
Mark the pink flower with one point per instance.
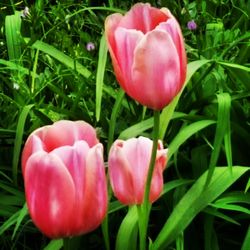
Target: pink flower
point(148, 54)
point(64, 177)
point(128, 169)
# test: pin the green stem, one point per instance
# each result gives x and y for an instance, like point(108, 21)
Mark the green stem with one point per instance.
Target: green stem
point(114, 115)
point(112, 123)
point(153, 154)
point(144, 208)
point(66, 243)
point(105, 223)
point(105, 232)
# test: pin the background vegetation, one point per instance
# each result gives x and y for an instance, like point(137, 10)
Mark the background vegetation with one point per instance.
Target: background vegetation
point(47, 74)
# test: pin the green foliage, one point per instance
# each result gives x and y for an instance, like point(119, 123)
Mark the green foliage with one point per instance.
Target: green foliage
point(47, 74)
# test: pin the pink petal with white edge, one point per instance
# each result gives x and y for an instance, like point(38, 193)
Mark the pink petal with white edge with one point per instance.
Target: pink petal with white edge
point(155, 70)
point(126, 41)
point(50, 194)
point(121, 175)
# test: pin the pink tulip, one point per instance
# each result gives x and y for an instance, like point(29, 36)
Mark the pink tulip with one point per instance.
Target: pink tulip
point(148, 54)
point(64, 179)
point(128, 169)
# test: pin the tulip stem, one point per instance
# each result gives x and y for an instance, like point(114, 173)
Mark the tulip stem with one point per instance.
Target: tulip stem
point(105, 232)
point(66, 244)
point(144, 208)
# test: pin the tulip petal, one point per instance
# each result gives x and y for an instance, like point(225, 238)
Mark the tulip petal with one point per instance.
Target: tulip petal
point(72, 131)
point(138, 152)
point(74, 159)
point(173, 28)
point(126, 41)
point(142, 17)
point(156, 70)
point(157, 178)
point(111, 24)
point(95, 196)
point(50, 194)
point(121, 175)
point(32, 145)
point(86, 167)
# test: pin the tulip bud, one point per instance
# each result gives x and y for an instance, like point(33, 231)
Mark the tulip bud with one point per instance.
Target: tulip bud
point(148, 55)
point(64, 177)
point(128, 169)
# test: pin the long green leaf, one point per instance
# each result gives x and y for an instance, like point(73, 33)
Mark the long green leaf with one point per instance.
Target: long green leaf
point(194, 201)
point(246, 243)
point(8, 223)
point(139, 128)
point(13, 35)
point(213, 211)
point(22, 214)
point(185, 133)
point(18, 140)
point(136, 129)
point(54, 245)
point(168, 111)
point(114, 115)
point(235, 66)
point(232, 207)
point(127, 234)
point(174, 184)
point(61, 57)
point(222, 130)
point(234, 197)
point(102, 58)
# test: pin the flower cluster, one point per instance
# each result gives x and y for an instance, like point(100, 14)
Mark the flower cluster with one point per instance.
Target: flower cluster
point(65, 181)
point(62, 164)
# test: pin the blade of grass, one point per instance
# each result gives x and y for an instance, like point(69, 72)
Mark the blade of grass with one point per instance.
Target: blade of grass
point(194, 201)
point(174, 184)
point(13, 35)
point(144, 125)
point(102, 58)
point(136, 129)
point(127, 233)
point(61, 57)
point(185, 133)
point(222, 129)
point(9, 222)
point(213, 211)
point(246, 243)
point(22, 214)
point(54, 245)
point(235, 66)
point(18, 140)
point(114, 115)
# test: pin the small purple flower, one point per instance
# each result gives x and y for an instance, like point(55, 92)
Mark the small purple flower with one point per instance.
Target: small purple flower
point(191, 25)
point(90, 46)
point(26, 12)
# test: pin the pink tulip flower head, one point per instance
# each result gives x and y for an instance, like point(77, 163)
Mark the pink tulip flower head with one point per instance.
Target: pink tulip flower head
point(128, 169)
point(148, 55)
point(64, 179)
